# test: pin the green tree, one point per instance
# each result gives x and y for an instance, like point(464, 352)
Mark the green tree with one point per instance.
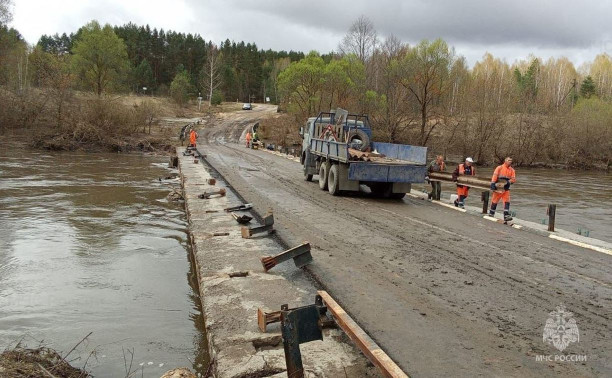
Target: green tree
point(216, 98)
point(301, 83)
point(100, 57)
point(427, 78)
point(527, 82)
point(587, 88)
point(181, 88)
point(143, 75)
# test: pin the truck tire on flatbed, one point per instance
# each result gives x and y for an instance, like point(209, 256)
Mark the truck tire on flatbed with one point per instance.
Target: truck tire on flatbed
point(360, 135)
point(323, 176)
point(333, 185)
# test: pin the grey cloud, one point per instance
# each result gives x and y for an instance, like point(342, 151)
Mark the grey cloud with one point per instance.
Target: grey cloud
point(520, 22)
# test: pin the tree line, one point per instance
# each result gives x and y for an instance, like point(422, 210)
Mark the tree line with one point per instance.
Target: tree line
point(155, 57)
point(540, 112)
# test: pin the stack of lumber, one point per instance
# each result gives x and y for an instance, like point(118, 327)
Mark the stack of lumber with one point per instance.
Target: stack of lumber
point(363, 156)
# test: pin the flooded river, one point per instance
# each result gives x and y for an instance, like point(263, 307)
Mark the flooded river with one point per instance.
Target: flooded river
point(88, 243)
point(583, 198)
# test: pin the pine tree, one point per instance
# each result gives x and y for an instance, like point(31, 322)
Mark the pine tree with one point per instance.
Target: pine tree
point(587, 88)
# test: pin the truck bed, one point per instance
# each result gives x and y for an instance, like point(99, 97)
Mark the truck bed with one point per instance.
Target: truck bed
point(398, 163)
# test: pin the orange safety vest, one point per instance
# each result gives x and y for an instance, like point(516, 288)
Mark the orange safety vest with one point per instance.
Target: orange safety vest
point(462, 170)
point(192, 137)
point(503, 171)
point(248, 137)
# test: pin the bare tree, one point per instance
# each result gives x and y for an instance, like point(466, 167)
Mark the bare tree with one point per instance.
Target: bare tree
point(361, 39)
point(390, 111)
point(212, 70)
point(6, 14)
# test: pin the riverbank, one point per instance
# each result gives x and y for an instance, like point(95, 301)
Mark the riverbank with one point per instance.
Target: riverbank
point(233, 285)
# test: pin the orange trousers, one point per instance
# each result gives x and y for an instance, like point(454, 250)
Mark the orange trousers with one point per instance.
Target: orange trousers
point(504, 197)
point(463, 191)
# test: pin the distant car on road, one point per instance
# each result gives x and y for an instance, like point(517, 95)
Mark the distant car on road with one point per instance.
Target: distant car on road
point(247, 106)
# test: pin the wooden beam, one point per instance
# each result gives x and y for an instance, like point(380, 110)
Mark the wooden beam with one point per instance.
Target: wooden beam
point(369, 348)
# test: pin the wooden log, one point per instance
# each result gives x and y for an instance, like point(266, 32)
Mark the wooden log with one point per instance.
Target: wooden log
point(471, 181)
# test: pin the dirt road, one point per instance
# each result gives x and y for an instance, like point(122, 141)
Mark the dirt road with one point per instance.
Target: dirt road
point(444, 293)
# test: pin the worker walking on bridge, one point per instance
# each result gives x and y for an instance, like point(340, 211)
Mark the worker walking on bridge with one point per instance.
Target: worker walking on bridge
point(436, 186)
point(193, 136)
point(462, 190)
point(502, 172)
point(248, 139)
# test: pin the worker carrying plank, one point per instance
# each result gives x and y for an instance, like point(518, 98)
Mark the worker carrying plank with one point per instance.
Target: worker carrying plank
point(502, 172)
point(437, 165)
point(462, 191)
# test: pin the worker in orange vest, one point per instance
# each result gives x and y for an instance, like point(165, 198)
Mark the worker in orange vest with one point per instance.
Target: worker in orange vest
point(462, 191)
point(502, 172)
point(193, 136)
point(248, 139)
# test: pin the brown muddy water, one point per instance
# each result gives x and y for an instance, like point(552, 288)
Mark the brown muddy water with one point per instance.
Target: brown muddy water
point(583, 198)
point(89, 243)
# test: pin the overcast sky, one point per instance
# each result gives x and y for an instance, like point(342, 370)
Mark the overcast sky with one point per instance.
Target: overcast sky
point(511, 29)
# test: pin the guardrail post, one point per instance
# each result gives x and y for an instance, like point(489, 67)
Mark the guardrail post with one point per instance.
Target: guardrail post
point(552, 209)
point(484, 196)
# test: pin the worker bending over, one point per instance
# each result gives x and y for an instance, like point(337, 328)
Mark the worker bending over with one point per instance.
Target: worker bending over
point(462, 191)
point(193, 136)
point(502, 172)
point(248, 139)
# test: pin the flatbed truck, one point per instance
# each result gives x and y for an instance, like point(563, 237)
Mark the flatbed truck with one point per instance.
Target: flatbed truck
point(334, 145)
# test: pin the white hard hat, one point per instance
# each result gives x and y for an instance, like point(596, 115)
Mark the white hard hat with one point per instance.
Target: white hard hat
point(469, 160)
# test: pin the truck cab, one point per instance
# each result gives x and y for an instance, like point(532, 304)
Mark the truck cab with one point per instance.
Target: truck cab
point(336, 126)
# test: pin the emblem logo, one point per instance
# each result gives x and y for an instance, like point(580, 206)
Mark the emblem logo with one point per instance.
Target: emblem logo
point(561, 329)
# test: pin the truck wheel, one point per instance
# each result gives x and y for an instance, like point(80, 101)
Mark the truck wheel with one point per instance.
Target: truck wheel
point(358, 140)
point(323, 176)
point(381, 189)
point(307, 177)
point(397, 196)
point(333, 185)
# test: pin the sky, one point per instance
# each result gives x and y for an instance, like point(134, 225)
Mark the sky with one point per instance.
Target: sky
point(510, 29)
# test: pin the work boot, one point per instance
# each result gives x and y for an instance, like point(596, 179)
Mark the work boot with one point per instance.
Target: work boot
point(456, 203)
point(507, 217)
point(492, 213)
point(461, 205)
